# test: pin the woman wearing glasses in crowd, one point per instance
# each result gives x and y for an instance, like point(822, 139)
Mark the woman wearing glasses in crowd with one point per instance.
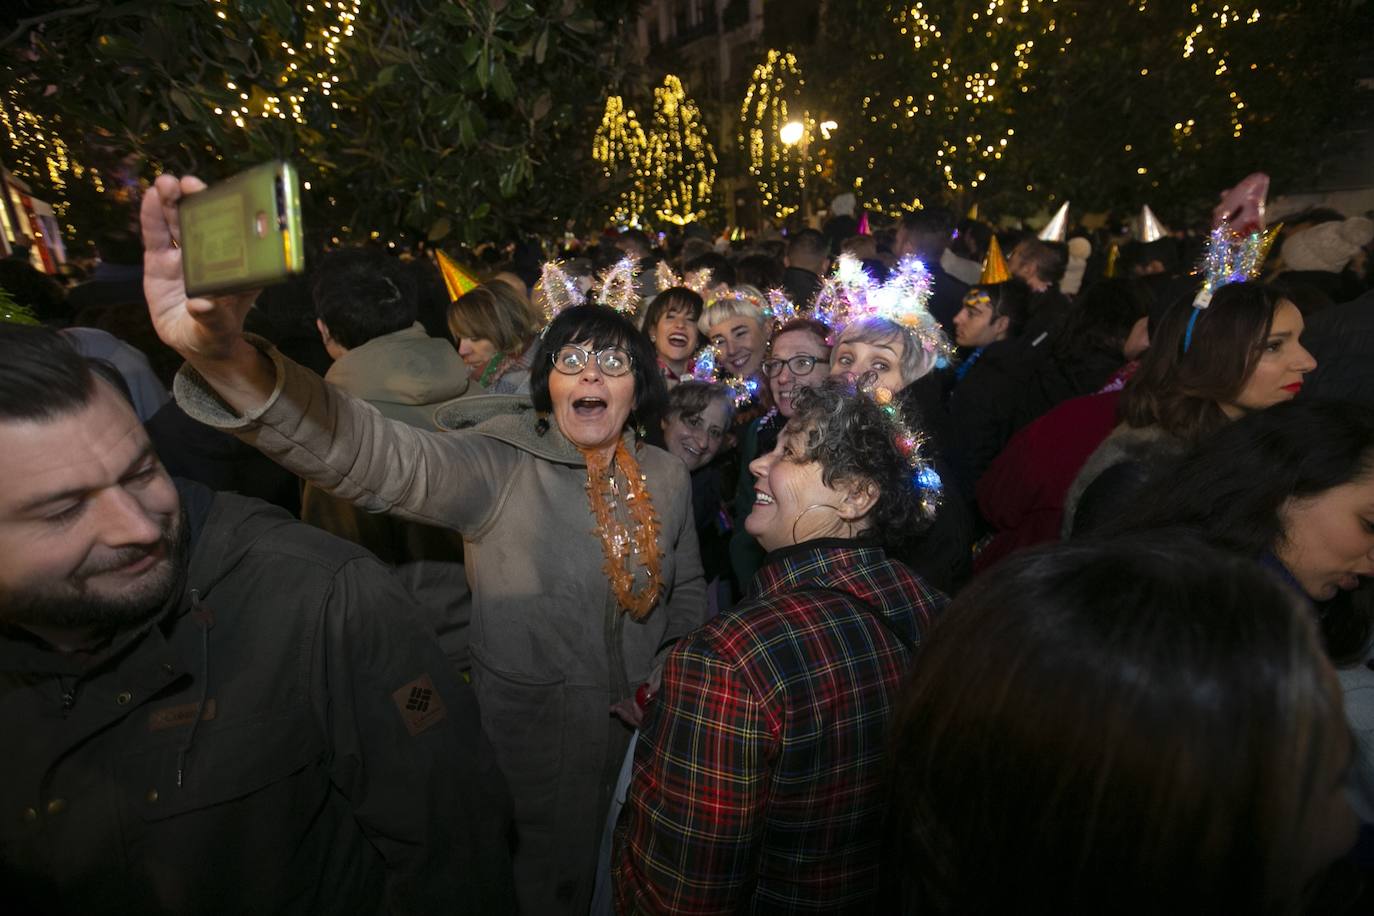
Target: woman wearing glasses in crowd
point(579, 542)
point(798, 358)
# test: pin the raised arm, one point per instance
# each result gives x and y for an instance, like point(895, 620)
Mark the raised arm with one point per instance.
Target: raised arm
point(208, 333)
point(290, 414)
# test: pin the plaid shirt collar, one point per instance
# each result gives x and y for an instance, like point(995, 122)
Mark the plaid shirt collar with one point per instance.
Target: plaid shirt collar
point(790, 568)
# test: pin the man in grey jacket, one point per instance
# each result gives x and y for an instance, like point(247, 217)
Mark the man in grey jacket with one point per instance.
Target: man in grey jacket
point(208, 706)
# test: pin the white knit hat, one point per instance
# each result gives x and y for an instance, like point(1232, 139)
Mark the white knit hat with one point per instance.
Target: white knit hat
point(1327, 246)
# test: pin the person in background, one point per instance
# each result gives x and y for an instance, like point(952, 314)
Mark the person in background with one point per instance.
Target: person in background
point(759, 270)
point(497, 332)
point(209, 706)
point(987, 383)
point(758, 776)
point(366, 312)
point(670, 321)
point(925, 234)
point(1244, 354)
point(1146, 726)
point(1041, 266)
point(1293, 487)
point(721, 273)
point(696, 424)
point(798, 358)
point(808, 259)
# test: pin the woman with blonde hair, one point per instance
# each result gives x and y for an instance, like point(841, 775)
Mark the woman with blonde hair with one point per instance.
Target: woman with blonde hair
point(496, 329)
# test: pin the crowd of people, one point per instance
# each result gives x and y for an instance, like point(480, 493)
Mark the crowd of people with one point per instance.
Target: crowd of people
point(845, 572)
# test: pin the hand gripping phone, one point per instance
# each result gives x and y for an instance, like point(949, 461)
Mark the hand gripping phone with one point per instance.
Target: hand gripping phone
point(243, 233)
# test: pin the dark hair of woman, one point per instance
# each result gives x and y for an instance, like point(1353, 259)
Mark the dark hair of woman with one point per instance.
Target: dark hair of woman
point(1182, 392)
point(1231, 488)
point(852, 439)
point(759, 271)
point(1146, 726)
point(601, 327)
point(673, 298)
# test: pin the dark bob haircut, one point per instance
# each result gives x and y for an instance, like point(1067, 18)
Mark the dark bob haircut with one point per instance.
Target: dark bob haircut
point(1144, 727)
point(601, 327)
point(1231, 488)
point(850, 436)
point(673, 299)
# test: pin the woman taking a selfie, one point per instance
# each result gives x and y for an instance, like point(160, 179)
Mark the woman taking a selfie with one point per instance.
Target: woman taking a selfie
point(579, 542)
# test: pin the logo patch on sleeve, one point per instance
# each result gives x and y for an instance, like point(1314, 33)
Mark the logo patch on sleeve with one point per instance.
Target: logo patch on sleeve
point(420, 705)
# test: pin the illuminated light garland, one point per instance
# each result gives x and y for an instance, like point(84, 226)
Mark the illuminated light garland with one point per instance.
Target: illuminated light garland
point(776, 167)
point(623, 151)
point(681, 163)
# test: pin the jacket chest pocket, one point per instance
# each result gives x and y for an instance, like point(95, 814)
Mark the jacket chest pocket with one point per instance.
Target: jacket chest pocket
point(226, 762)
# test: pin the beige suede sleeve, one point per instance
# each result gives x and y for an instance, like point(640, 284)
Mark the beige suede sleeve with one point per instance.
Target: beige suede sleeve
point(344, 446)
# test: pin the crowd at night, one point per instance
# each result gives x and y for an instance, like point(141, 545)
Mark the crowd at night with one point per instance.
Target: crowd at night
point(821, 495)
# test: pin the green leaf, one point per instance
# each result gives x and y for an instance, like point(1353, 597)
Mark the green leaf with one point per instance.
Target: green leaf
point(439, 229)
point(541, 47)
point(385, 76)
point(502, 83)
point(183, 102)
point(541, 107)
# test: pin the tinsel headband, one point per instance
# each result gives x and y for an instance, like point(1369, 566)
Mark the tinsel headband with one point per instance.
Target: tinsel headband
point(911, 445)
point(1230, 257)
point(706, 367)
point(614, 289)
point(851, 294)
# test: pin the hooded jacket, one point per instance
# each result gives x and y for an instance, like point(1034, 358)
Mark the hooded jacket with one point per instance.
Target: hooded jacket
point(405, 375)
point(282, 737)
point(551, 650)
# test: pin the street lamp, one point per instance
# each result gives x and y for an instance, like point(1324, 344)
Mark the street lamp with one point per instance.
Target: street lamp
point(798, 132)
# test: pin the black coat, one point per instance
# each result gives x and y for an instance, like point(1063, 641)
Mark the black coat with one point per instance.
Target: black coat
point(982, 411)
point(284, 737)
point(1341, 338)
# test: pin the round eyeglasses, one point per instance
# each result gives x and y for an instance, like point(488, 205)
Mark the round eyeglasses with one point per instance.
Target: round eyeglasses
point(800, 365)
point(572, 359)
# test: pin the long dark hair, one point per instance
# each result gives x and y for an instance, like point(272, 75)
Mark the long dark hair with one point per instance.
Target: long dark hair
point(1182, 392)
point(1132, 726)
point(1230, 490)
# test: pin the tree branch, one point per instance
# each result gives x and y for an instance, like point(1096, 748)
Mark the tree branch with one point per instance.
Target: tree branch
point(26, 25)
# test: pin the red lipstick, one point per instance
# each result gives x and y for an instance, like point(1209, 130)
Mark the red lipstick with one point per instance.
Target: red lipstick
point(1295, 387)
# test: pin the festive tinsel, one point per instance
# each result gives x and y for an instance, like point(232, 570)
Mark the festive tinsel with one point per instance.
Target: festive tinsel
point(555, 290)
point(706, 367)
point(616, 288)
point(1230, 257)
point(911, 444)
point(851, 294)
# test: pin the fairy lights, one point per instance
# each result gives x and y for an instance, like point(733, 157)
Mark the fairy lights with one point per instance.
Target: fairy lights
point(622, 149)
point(771, 107)
point(680, 161)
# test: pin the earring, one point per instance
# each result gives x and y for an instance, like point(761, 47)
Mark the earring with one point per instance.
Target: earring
point(803, 512)
point(541, 426)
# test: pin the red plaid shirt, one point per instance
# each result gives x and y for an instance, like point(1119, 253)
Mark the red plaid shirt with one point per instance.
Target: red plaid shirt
point(758, 779)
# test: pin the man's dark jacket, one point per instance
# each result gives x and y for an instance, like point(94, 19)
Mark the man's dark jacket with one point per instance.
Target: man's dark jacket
point(283, 738)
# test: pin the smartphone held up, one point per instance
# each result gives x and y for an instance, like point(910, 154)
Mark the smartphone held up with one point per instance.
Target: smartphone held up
point(243, 233)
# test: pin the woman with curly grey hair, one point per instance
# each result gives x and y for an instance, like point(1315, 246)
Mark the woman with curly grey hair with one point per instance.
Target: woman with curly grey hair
point(774, 716)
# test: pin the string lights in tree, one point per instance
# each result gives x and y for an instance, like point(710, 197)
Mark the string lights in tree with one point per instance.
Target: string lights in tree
point(622, 149)
point(307, 68)
point(772, 100)
point(680, 164)
point(965, 66)
point(37, 148)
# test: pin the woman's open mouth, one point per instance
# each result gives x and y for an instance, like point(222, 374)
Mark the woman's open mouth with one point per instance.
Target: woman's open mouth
point(588, 407)
point(679, 341)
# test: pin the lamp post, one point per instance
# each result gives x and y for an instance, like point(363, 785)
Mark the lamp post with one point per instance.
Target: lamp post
point(799, 132)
